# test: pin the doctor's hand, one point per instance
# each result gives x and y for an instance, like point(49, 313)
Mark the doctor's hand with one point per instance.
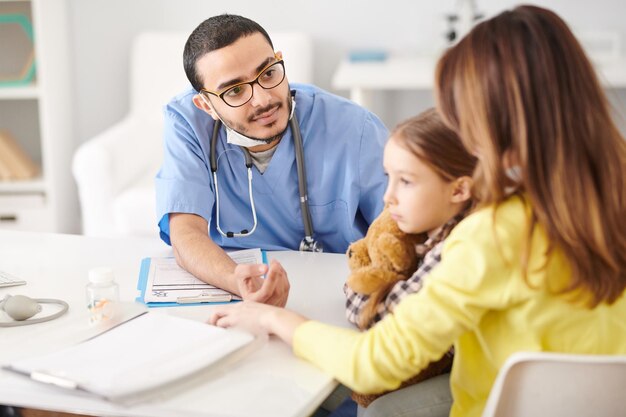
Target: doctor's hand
point(256, 317)
point(274, 289)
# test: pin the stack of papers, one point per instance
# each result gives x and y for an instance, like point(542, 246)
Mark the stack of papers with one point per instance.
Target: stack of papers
point(139, 355)
point(162, 283)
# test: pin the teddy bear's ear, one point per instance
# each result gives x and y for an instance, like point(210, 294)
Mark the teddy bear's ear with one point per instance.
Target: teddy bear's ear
point(358, 256)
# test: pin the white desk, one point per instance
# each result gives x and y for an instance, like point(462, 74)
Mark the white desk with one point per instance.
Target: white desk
point(418, 73)
point(267, 382)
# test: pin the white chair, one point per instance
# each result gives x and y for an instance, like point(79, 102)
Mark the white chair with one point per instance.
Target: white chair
point(115, 170)
point(536, 384)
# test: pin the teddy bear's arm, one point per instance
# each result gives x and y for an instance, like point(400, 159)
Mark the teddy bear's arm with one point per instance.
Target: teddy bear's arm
point(369, 279)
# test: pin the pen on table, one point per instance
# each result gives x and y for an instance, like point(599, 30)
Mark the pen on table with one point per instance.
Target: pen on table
point(209, 298)
point(53, 379)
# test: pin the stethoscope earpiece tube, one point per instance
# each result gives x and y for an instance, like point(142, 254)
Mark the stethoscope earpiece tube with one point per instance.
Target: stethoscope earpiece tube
point(308, 243)
point(213, 145)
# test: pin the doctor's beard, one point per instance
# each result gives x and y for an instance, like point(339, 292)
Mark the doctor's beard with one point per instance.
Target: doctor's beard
point(242, 129)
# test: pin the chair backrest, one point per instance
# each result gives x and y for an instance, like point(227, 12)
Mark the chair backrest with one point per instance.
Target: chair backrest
point(157, 72)
point(532, 384)
point(297, 49)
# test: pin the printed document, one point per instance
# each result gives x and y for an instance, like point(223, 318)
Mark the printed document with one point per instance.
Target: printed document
point(168, 283)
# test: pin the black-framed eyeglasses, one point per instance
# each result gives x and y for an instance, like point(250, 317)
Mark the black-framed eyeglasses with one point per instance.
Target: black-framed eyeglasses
point(239, 94)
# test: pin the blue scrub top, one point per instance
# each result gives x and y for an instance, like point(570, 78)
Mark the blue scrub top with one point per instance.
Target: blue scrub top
point(343, 149)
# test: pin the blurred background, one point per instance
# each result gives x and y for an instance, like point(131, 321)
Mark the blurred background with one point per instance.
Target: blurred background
point(92, 60)
point(102, 31)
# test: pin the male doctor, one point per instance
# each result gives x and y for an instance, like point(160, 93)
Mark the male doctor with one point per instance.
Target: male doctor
point(239, 83)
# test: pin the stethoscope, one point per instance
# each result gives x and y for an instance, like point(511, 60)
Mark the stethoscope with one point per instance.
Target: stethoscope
point(21, 308)
point(308, 243)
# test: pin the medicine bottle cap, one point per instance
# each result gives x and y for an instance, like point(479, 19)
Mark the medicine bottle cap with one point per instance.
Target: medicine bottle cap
point(101, 275)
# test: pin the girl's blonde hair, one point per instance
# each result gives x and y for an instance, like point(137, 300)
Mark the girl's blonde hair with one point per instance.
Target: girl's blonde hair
point(519, 87)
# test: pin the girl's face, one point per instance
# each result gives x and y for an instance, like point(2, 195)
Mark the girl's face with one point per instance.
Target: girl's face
point(419, 200)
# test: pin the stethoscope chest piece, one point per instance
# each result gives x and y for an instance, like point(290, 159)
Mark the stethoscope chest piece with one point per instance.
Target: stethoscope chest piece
point(311, 245)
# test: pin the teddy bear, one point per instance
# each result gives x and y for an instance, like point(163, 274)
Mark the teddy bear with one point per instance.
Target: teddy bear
point(383, 257)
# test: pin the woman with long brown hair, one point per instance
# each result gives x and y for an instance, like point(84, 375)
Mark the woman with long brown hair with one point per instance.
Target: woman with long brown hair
point(540, 265)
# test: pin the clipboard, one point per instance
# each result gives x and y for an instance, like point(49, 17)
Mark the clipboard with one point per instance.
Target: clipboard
point(201, 287)
point(143, 354)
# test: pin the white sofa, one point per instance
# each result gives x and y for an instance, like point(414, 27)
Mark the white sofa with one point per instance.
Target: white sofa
point(115, 170)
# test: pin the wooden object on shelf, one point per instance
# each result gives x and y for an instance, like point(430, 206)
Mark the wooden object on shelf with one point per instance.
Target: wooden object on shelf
point(37, 109)
point(15, 164)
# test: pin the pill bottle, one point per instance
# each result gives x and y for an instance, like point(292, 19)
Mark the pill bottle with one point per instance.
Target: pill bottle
point(102, 294)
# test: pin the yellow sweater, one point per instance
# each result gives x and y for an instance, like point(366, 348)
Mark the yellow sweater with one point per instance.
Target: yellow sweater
point(476, 299)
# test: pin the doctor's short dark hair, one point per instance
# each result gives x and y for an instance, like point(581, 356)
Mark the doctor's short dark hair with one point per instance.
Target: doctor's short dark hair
point(215, 33)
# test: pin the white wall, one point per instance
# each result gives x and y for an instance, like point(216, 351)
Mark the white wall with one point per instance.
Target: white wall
point(102, 31)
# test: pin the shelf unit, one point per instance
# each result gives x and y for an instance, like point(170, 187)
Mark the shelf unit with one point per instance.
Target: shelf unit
point(418, 73)
point(37, 114)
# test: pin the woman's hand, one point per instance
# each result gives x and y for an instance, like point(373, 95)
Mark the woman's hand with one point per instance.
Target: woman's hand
point(273, 290)
point(258, 318)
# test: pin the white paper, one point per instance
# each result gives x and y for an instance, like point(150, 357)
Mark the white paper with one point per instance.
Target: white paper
point(139, 355)
point(167, 281)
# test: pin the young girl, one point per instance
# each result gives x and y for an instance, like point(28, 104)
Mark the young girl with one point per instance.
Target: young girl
point(428, 192)
point(541, 264)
